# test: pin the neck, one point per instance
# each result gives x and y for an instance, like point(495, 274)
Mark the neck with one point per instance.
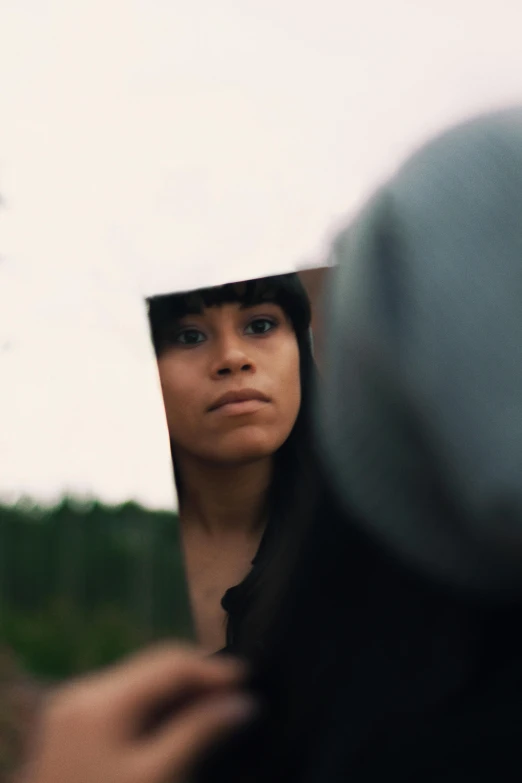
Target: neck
point(224, 499)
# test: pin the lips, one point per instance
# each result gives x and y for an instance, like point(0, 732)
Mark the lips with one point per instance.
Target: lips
point(243, 395)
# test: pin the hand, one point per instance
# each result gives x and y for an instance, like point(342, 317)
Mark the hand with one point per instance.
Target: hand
point(147, 720)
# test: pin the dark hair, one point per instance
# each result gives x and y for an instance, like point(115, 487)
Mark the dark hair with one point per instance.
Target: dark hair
point(250, 617)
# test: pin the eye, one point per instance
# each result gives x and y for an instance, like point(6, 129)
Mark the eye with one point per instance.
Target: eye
point(190, 337)
point(260, 326)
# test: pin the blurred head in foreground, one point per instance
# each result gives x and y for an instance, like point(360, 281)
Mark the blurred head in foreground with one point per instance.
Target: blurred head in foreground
point(422, 418)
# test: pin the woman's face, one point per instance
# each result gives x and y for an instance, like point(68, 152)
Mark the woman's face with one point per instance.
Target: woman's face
point(230, 381)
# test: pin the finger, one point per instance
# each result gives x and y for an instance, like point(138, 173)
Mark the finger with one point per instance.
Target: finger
point(166, 673)
point(192, 732)
point(124, 692)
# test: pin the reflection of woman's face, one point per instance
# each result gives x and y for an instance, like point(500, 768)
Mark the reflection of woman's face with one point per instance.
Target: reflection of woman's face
point(230, 381)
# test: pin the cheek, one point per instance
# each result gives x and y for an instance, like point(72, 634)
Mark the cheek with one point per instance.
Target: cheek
point(290, 387)
point(178, 394)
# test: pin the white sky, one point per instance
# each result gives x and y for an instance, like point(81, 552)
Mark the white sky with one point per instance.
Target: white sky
point(148, 145)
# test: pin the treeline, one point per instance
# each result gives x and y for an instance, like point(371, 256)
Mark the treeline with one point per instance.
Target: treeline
point(81, 585)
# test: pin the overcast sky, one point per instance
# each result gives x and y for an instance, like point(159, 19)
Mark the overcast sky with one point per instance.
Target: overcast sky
point(151, 145)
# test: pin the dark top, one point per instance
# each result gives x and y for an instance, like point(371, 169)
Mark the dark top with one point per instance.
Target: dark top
point(395, 677)
point(378, 674)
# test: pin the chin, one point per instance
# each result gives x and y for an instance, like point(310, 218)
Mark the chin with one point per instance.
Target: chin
point(247, 446)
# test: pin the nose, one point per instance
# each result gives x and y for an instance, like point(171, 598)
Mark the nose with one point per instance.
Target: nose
point(232, 358)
